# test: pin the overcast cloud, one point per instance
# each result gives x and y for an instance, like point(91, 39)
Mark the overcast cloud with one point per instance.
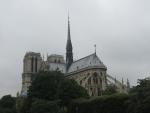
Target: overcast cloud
point(120, 28)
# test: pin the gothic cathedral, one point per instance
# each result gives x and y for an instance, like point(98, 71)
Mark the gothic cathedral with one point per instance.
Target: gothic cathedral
point(89, 72)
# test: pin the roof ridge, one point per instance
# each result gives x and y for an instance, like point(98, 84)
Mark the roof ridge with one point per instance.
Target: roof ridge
point(84, 57)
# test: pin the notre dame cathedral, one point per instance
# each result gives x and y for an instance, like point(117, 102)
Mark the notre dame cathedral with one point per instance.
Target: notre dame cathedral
point(89, 71)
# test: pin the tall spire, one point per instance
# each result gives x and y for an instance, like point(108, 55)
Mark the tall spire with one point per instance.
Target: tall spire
point(69, 54)
point(69, 36)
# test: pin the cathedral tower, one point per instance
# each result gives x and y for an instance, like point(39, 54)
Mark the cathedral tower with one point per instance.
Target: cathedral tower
point(69, 54)
point(31, 65)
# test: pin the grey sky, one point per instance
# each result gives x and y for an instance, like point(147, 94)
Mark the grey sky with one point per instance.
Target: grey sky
point(120, 28)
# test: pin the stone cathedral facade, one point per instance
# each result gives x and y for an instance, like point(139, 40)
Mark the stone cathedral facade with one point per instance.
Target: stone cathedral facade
point(89, 72)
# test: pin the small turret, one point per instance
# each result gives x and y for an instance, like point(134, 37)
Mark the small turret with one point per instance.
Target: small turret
point(122, 81)
point(128, 84)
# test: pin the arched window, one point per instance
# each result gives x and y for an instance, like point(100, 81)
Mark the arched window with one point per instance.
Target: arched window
point(99, 91)
point(95, 78)
point(91, 89)
point(36, 60)
point(100, 80)
point(32, 64)
point(89, 81)
point(95, 74)
point(57, 69)
point(80, 82)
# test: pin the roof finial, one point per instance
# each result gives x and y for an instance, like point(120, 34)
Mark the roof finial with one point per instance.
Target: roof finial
point(122, 81)
point(95, 48)
point(128, 84)
point(43, 56)
point(47, 56)
point(115, 80)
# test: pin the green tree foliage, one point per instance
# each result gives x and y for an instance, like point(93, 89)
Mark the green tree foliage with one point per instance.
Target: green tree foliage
point(7, 104)
point(54, 85)
point(52, 92)
point(22, 105)
point(44, 106)
point(50, 87)
point(142, 89)
point(140, 97)
point(46, 85)
point(69, 89)
point(137, 101)
point(105, 104)
point(111, 89)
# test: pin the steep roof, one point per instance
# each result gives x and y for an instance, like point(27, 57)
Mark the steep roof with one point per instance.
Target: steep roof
point(88, 61)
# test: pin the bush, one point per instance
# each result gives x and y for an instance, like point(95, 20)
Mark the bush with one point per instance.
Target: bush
point(8, 104)
point(44, 106)
point(105, 104)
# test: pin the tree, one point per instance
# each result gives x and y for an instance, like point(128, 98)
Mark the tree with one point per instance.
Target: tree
point(140, 97)
point(51, 87)
point(111, 89)
point(44, 106)
point(69, 89)
point(103, 104)
point(45, 85)
point(7, 104)
point(142, 89)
